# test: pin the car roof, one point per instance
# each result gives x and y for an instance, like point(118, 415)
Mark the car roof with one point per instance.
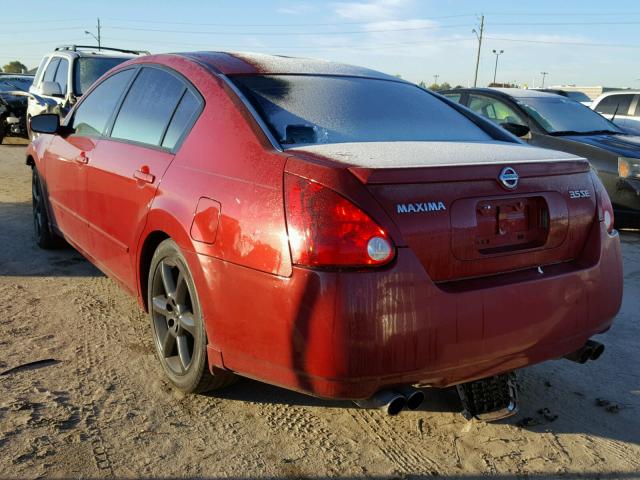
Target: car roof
point(243, 63)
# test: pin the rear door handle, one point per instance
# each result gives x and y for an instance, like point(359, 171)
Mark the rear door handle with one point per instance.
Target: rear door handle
point(82, 158)
point(143, 174)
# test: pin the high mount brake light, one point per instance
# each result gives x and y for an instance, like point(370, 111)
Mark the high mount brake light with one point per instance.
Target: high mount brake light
point(327, 230)
point(605, 209)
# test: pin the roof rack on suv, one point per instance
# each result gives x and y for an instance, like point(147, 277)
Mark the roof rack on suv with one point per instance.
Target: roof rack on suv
point(75, 48)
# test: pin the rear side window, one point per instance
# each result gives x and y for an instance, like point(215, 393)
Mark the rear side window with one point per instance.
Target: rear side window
point(50, 74)
point(62, 75)
point(96, 109)
point(182, 119)
point(610, 104)
point(148, 107)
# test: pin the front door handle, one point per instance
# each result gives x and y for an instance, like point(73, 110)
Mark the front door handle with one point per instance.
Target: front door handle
point(143, 174)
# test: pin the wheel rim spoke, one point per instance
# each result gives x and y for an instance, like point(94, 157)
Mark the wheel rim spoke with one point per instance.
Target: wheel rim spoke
point(188, 323)
point(159, 304)
point(181, 289)
point(166, 271)
point(183, 351)
point(168, 344)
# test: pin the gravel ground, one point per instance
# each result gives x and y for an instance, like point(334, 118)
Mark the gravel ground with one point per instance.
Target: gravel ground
point(98, 406)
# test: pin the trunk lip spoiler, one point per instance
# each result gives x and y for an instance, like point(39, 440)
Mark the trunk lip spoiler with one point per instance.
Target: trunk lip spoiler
point(465, 172)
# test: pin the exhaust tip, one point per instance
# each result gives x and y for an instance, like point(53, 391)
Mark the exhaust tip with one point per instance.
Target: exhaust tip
point(415, 399)
point(585, 355)
point(396, 405)
point(597, 349)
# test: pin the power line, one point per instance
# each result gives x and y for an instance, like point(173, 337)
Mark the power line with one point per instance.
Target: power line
point(41, 30)
point(560, 42)
point(352, 32)
point(268, 25)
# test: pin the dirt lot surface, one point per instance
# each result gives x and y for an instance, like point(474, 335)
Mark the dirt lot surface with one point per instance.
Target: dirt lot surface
point(100, 406)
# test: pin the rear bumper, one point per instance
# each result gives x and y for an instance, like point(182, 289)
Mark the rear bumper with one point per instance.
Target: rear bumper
point(349, 334)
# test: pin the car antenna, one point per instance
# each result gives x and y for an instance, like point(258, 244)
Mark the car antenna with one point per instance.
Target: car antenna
point(615, 112)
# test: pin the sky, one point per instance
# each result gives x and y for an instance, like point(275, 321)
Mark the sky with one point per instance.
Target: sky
point(577, 42)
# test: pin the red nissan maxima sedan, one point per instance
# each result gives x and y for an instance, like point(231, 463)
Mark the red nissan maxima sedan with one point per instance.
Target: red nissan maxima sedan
point(328, 228)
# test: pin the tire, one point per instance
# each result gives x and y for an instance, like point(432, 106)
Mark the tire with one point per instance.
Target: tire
point(177, 326)
point(45, 237)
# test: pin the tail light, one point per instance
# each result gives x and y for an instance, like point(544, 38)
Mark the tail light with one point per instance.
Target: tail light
point(327, 230)
point(605, 209)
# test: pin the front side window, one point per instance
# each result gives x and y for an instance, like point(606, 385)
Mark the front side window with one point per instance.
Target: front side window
point(93, 113)
point(50, 74)
point(618, 104)
point(495, 110)
point(40, 71)
point(62, 75)
point(559, 115)
point(148, 107)
point(87, 70)
point(310, 109)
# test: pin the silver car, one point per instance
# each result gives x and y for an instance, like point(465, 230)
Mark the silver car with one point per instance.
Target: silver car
point(64, 75)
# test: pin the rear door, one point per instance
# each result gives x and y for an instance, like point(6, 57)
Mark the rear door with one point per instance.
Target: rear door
point(67, 158)
point(125, 171)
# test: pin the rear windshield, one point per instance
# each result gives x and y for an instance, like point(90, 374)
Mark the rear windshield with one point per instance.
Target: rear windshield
point(88, 69)
point(559, 114)
point(302, 110)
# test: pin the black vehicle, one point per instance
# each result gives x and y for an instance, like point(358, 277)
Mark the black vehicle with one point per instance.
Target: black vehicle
point(559, 123)
point(13, 105)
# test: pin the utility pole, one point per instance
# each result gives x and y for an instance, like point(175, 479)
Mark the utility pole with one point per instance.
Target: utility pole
point(544, 74)
point(98, 37)
point(479, 36)
point(495, 70)
point(435, 78)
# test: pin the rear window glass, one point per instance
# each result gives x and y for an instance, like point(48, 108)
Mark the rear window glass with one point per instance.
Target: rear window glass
point(314, 109)
point(87, 70)
point(148, 107)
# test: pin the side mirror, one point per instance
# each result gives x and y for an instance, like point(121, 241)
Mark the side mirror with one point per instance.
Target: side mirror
point(516, 129)
point(45, 123)
point(51, 89)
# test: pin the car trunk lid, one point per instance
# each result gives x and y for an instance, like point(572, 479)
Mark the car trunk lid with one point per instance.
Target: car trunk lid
point(459, 218)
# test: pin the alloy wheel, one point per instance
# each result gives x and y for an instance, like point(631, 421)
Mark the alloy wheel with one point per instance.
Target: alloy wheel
point(173, 316)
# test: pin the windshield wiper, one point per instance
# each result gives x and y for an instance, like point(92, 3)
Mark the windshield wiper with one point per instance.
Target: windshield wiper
point(563, 133)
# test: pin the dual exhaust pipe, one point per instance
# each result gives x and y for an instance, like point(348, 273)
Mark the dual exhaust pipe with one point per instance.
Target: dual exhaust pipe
point(393, 402)
point(591, 350)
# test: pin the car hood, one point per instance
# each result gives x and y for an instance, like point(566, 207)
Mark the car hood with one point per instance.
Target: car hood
point(621, 144)
point(426, 154)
